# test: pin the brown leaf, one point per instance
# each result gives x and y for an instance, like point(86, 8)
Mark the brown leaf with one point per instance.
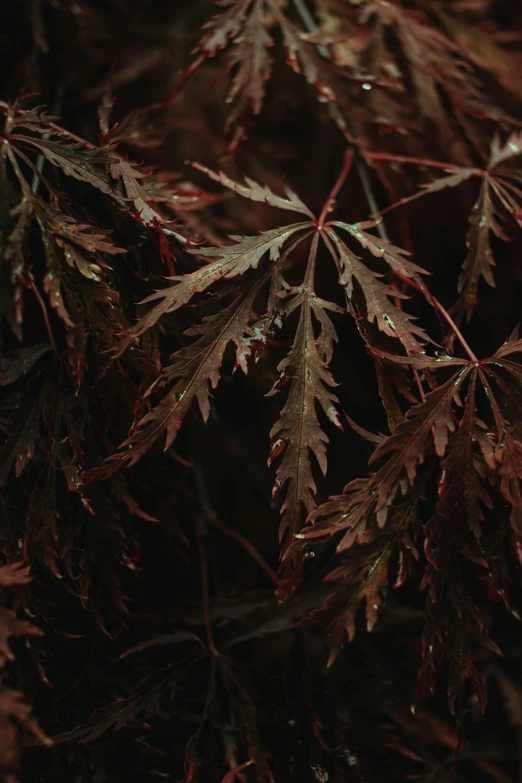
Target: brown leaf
point(194, 367)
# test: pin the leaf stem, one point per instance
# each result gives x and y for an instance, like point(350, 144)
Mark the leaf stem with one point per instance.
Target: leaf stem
point(442, 310)
point(345, 170)
point(201, 536)
point(43, 308)
point(245, 543)
point(308, 281)
point(416, 161)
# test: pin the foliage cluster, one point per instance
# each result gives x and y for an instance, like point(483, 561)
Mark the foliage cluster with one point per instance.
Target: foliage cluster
point(253, 252)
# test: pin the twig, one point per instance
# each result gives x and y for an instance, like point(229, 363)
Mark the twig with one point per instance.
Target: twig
point(201, 538)
point(442, 310)
point(309, 23)
point(345, 170)
point(43, 308)
point(246, 544)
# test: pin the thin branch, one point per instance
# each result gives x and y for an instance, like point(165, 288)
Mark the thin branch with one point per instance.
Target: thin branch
point(246, 544)
point(201, 534)
point(43, 308)
point(345, 170)
point(442, 310)
point(361, 166)
point(416, 161)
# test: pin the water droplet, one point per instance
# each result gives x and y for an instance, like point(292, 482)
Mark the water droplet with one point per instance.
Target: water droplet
point(388, 321)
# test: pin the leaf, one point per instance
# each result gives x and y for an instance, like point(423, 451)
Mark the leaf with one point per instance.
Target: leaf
point(502, 152)
point(298, 432)
point(224, 27)
point(465, 466)
point(380, 309)
point(512, 345)
point(89, 238)
point(256, 192)
point(18, 364)
point(425, 362)
point(373, 573)
point(194, 367)
point(485, 218)
point(230, 260)
point(304, 58)
point(129, 175)
point(479, 44)
point(509, 456)
point(14, 574)
point(395, 257)
point(53, 280)
point(76, 160)
point(120, 713)
point(434, 59)
point(20, 446)
point(14, 706)
point(479, 261)
point(173, 637)
point(10, 625)
point(252, 64)
point(348, 512)
point(407, 444)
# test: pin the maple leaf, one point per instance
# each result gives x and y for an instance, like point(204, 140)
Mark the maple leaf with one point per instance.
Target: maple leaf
point(10, 625)
point(76, 160)
point(487, 213)
point(14, 574)
point(73, 238)
point(482, 44)
point(298, 434)
point(304, 58)
point(364, 573)
point(195, 366)
point(371, 571)
point(18, 364)
point(53, 283)
point(142, 201)
point(462, 461)
point(469, 454)
point(230, 260)
point(454, 630)
point(435, 60)
point(298, 431)
point(19, 446)
point(244, 25)
point(14, 706)
point(84, 235)
point(15, 253)
point(256, 192)
point(125, 711)
point(254, 65)
point(479, 261)
point(408, 442)
point(224, 27)
point(379, 307)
